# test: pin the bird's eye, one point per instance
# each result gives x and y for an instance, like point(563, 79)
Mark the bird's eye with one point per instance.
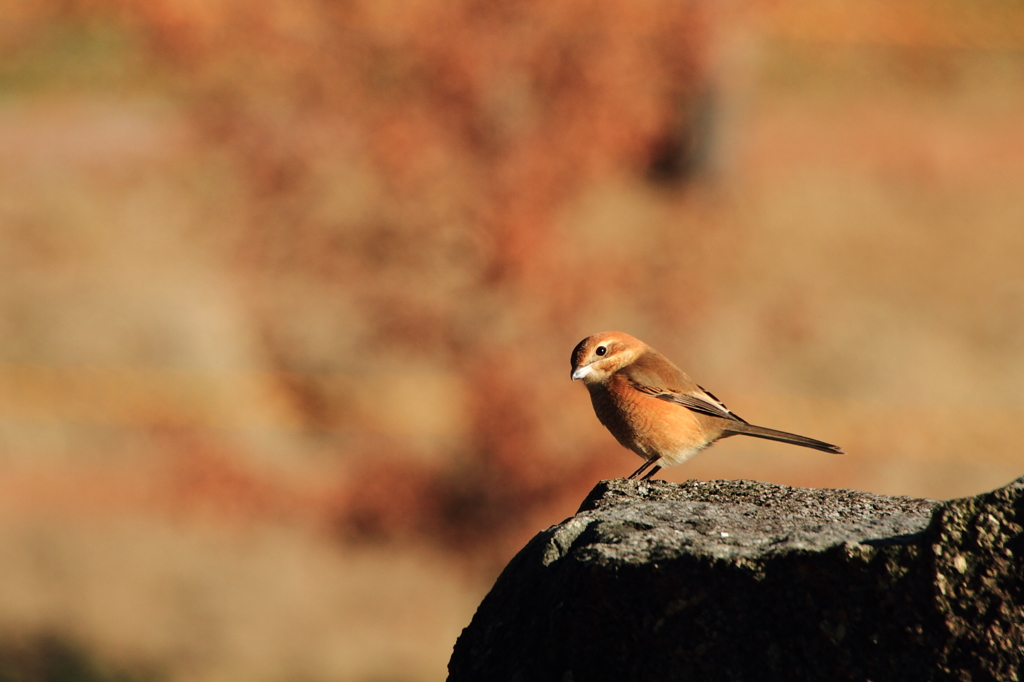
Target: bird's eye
point(600, 350)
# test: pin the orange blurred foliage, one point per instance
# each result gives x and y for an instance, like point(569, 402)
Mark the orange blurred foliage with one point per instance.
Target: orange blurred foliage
point(474, 123)
point(403, 168)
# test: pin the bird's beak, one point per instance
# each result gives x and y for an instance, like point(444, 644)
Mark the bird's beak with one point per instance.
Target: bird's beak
point(581, 372)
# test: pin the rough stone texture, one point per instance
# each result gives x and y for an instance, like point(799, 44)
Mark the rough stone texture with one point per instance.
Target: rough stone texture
point(739, 580)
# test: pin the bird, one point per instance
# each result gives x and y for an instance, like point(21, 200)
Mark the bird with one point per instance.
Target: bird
point(654, 409)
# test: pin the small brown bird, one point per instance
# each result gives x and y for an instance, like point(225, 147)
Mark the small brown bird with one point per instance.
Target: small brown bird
point(654, 409)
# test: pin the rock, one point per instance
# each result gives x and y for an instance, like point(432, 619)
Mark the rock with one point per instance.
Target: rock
point(739, 580)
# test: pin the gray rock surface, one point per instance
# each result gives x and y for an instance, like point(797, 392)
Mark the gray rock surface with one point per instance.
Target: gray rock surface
point(739, 580)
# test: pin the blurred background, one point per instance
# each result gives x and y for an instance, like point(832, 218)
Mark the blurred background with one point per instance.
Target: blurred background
point(288, 290)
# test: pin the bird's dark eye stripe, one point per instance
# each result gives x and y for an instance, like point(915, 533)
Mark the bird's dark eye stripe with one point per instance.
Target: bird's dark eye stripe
point(601, 350)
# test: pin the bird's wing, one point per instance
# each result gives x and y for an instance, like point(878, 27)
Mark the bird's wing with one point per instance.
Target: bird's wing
point(701, 404)
point(655, 375)
point(720, 404)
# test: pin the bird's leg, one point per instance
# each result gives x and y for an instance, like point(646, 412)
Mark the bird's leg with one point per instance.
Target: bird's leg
point(643, 467)
point(651, 473)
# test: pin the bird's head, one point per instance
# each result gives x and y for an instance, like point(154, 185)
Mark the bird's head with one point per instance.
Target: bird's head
point(597, 357)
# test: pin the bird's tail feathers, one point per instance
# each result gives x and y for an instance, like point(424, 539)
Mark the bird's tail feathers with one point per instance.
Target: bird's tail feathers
point(772, 434)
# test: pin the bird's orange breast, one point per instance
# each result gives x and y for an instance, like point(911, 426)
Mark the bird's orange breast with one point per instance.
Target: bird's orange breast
point(649, 426)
